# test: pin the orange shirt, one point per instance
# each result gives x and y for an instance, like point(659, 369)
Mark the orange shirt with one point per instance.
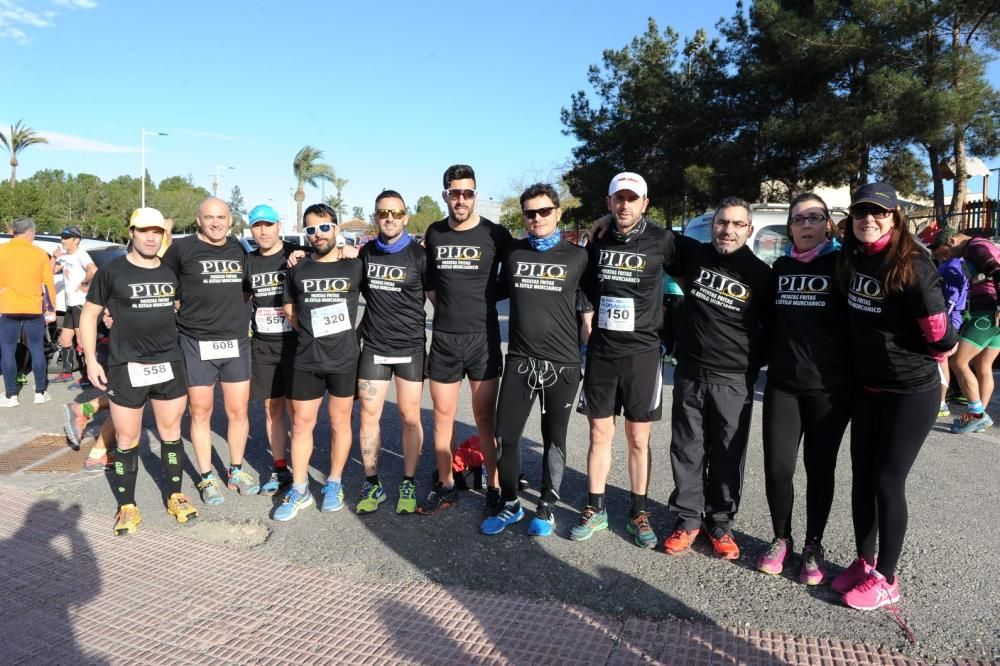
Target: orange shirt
point(24, 270)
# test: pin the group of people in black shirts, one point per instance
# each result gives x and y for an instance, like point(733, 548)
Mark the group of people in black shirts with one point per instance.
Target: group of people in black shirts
point(850, 331)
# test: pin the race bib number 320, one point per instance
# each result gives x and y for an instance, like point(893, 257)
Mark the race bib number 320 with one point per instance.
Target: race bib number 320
point(330, 319)
point(616, 314)
point(148, 374)
point(215, 349)
point(272, 320)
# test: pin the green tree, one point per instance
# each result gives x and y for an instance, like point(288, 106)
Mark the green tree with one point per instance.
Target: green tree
point(20, 137)
point(358, 213)
point(424, 214)
point(237, 208)
point(308, 170)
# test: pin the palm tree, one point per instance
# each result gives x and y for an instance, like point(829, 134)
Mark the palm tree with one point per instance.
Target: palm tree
point(309, 170)
point(21, 136)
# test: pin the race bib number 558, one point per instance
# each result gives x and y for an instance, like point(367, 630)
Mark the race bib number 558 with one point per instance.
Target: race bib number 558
point(148, 374)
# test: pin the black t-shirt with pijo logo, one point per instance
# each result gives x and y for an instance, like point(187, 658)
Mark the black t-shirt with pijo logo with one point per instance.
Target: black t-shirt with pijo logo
point(624, 281)
point(726, 315)
point(462, 269)
point(141, 302)
point(265, 282)
point(394, 288)
point(211, 288)
point(542, 288)
point(325, 295)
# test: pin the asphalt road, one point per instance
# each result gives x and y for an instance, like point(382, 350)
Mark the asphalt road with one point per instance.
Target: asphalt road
point(949, 571)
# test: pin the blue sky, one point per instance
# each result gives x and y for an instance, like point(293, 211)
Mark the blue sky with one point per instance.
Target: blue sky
point(393, 92)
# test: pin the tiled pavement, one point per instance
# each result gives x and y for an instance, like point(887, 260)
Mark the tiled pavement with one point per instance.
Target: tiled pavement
point(74, 594)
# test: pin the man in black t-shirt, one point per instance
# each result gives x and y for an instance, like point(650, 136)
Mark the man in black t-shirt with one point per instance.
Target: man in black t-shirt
point(272, 347)
point(214, 324)
point(721, 345)
point(463, 257)
point(541, 273)
point(624, 281)
point(392, 332)
point(144, 363)
point(321, 302)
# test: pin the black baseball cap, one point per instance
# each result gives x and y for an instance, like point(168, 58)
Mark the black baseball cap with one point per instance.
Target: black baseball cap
point(880, 194)
point(71, 232)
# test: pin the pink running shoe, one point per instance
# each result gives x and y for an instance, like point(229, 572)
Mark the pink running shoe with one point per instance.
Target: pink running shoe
point(873, 592)
point(852, 576)
point(812, 571)
point(773, 561)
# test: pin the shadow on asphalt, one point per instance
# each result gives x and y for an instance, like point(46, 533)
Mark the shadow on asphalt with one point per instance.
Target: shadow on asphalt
point(43, 583)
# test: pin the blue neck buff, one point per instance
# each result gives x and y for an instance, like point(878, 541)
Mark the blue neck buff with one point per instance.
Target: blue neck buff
point(547, 243)
point(392, 248)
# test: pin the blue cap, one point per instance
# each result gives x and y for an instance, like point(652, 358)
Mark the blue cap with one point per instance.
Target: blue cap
point(264, 213)
point(880, 194)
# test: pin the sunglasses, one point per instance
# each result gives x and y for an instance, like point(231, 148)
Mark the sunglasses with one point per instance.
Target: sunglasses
point(540, 212)
point(877, 212)
point(384, 213)
point(325, 228)
point(454, 195)
point(814, 219)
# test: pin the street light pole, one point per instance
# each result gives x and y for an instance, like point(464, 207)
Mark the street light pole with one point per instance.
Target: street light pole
point(215, 184)
point(142, 176)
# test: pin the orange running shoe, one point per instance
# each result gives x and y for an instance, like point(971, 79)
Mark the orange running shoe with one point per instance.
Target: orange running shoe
point(679, 541)
point(724, 546)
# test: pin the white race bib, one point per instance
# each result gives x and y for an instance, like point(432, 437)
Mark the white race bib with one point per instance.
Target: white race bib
point(272, 320)
point(616, 314)
point(148, 374)
point(215, 349)
point(330, 319)
point(391, 360)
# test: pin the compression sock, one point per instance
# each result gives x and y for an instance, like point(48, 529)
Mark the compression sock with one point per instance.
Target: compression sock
point(279, 464)
point(172, 458)
point(596, 500)
point(638, 504)
point(126, 471)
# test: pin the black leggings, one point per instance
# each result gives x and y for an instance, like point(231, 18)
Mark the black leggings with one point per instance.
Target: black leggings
point(557, 396)
point(817, 419)
point(887, 431)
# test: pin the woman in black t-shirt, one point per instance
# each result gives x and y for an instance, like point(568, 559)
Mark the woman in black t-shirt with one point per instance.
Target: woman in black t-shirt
point(899, 331)
point(807, 398)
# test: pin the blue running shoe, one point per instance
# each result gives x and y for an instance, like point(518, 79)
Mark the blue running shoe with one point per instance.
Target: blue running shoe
point(501, 521)
point(279, 479)
point(969, 423)
point(333, 497)
point(544, 523)
point(290, 506)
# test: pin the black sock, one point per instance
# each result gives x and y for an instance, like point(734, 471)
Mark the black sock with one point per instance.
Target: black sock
point(66, 359)
point(596, 500)
point(172, 457)
point(205, 476)
point(373, 480)
point(126, 471)
point(235, 468)
point(408, 478)
point(83, 366)
point(638, 504)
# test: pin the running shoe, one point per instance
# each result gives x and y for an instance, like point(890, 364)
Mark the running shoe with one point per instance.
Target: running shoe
point(493, 504)
point(544, 523)
point(21, 379)
point(944, 411)
point(372, 494)
point(773, 560)
point(280, 478)
point(81, 385)
point(407, 502)
point(9, 401)
point(641, 531)
point(62, 378)
point(42, 397)
point(127, 519)
point(813, 564)
point(440, 498)
point(74, 423)
point(591, 520)
point(852, 576)
point(98, 464)
point(210, 489)
point(873, 592)
point(243, 482)
point(181, 508)
point(290, 505)
point(333, 497)
point(680, 541)
point(502, 520)
point(724, 545)
point(969, 423)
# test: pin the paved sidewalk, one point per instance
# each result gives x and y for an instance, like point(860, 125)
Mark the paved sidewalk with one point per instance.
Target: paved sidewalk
point(75, 594)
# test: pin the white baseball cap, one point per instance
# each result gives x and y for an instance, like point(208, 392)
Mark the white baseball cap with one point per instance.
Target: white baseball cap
point(145, 218)
point(628, 181)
